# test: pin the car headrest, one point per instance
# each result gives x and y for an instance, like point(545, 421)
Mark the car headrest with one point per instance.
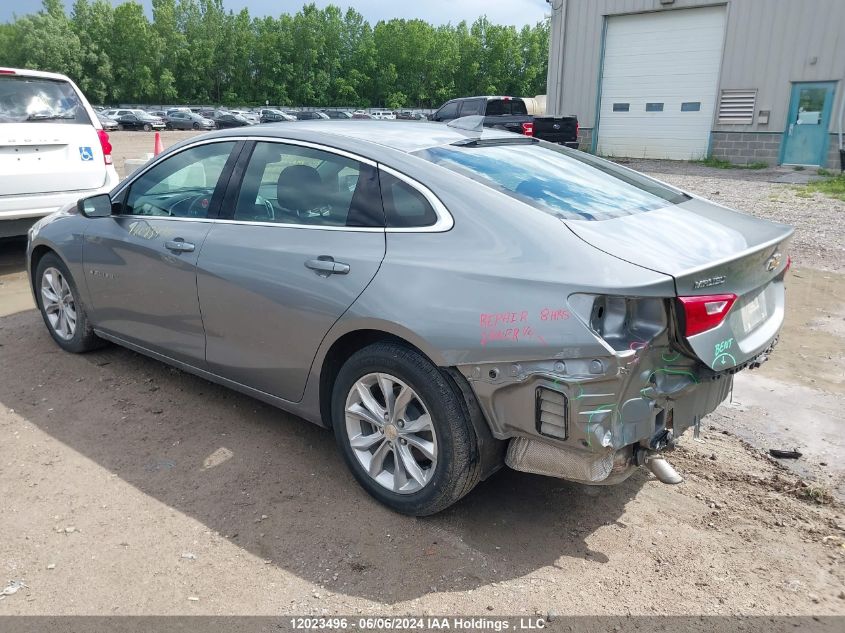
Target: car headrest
point(299, 188)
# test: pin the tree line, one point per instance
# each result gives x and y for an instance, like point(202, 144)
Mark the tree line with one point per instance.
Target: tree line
point(195, 51)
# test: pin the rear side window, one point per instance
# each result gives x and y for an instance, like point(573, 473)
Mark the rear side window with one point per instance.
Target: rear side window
point(404, 206)
point(291, 184)
point(31, 99)
point(506, 107)
point(472, 107)
point(564, 183)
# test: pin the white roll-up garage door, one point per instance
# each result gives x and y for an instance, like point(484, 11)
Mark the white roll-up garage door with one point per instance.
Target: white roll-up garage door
point(659, 83)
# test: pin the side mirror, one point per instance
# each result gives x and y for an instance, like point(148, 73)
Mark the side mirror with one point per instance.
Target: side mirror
point(98, 206)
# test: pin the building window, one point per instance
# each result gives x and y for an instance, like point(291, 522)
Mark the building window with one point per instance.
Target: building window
point(654, 107)
point(736, 107)
point(621, 107)
point(691, 106)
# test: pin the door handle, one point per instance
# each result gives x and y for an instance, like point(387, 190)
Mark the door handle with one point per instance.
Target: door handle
point(325, 265)
point(179, 246)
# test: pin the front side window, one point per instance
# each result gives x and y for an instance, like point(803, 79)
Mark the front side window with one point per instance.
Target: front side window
point(31, 99)
point(291, 184)
point(448, 111)
point(181, 185)
point(562, 182)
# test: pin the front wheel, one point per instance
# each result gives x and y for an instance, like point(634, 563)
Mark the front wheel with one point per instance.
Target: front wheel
point(403, 430)
point(61, 307)
point(147, 127)
point(196, 125)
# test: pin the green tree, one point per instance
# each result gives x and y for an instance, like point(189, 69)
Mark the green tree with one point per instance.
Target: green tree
point(197, 51)
point(92, 24)
point(134, 51)
point(46, 41)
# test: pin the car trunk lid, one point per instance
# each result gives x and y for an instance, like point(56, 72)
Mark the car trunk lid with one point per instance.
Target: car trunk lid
point(709, 250)
point(49, 157)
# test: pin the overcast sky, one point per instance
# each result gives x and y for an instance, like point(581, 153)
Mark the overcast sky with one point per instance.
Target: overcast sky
point(517, 12)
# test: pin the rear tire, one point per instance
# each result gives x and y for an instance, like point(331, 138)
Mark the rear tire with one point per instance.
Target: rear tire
point(120, 127)
point(61, 307)
point(415, 454)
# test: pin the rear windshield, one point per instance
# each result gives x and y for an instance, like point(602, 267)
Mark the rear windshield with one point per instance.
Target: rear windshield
point(562, 182)
point(27, 99)
point(511, 107)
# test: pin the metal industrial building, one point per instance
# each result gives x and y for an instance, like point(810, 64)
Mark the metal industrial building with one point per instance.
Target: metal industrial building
point(744, 80)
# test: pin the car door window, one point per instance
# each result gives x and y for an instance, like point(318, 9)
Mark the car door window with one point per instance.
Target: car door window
point(448, 111)
point(472, 107)
point(181, 185)
point(291, 184)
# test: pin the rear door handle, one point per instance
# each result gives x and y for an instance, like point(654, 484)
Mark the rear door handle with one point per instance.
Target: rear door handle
point(325, 265)
point(179, 245)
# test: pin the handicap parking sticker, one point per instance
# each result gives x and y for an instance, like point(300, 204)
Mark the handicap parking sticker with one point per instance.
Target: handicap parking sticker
point(85, 153)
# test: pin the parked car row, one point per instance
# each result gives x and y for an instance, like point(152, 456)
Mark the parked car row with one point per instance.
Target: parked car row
point(186, 118)
point(134, 119)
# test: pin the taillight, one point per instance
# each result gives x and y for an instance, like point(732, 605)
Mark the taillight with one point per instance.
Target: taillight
point(705, 312)
point(105, 145)
point(7, 71)
point(528, 128)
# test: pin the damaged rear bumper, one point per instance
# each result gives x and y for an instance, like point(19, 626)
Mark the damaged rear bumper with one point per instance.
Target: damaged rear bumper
point(593, 420)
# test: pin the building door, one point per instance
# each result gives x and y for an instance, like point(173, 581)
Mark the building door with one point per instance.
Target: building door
point(805, 137)
point(659, 83)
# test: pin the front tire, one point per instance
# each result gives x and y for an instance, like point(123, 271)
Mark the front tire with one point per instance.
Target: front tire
point(147, 127)
point(61, 307)
point(403, 431)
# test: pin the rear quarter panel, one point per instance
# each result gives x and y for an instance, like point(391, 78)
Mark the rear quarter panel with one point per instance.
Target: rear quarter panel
point(496, 286)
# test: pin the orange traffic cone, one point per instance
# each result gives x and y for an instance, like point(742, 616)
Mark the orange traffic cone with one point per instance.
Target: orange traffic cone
point(159, 148)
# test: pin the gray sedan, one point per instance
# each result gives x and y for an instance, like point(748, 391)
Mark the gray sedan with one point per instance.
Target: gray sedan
point(447, 300)
point(181, 120)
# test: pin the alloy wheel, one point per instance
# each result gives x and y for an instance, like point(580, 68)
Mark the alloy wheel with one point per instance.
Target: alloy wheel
point(391, 433)
point(59, 304)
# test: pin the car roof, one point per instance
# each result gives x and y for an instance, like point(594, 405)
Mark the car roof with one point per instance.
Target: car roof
point(407, 137)
point(488, 97)
point(24, 72)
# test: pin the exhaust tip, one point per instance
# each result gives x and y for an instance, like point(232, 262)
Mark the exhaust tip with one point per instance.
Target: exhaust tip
point(662, 469)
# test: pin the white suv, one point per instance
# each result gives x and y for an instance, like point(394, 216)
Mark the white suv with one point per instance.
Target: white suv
point(383, 115)
point(53, 149)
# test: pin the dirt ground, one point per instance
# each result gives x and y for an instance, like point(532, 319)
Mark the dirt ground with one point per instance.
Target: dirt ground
point(128, 487)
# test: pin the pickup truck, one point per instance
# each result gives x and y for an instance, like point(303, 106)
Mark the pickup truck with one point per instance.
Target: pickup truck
point(511, 114)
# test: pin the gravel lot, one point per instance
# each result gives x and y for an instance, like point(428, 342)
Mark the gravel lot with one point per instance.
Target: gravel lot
point(132, 488)
point(819, 240)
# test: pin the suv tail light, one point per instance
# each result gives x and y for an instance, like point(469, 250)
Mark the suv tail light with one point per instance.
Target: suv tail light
point(528, 128)
point(705, 312)
point(105, 145)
